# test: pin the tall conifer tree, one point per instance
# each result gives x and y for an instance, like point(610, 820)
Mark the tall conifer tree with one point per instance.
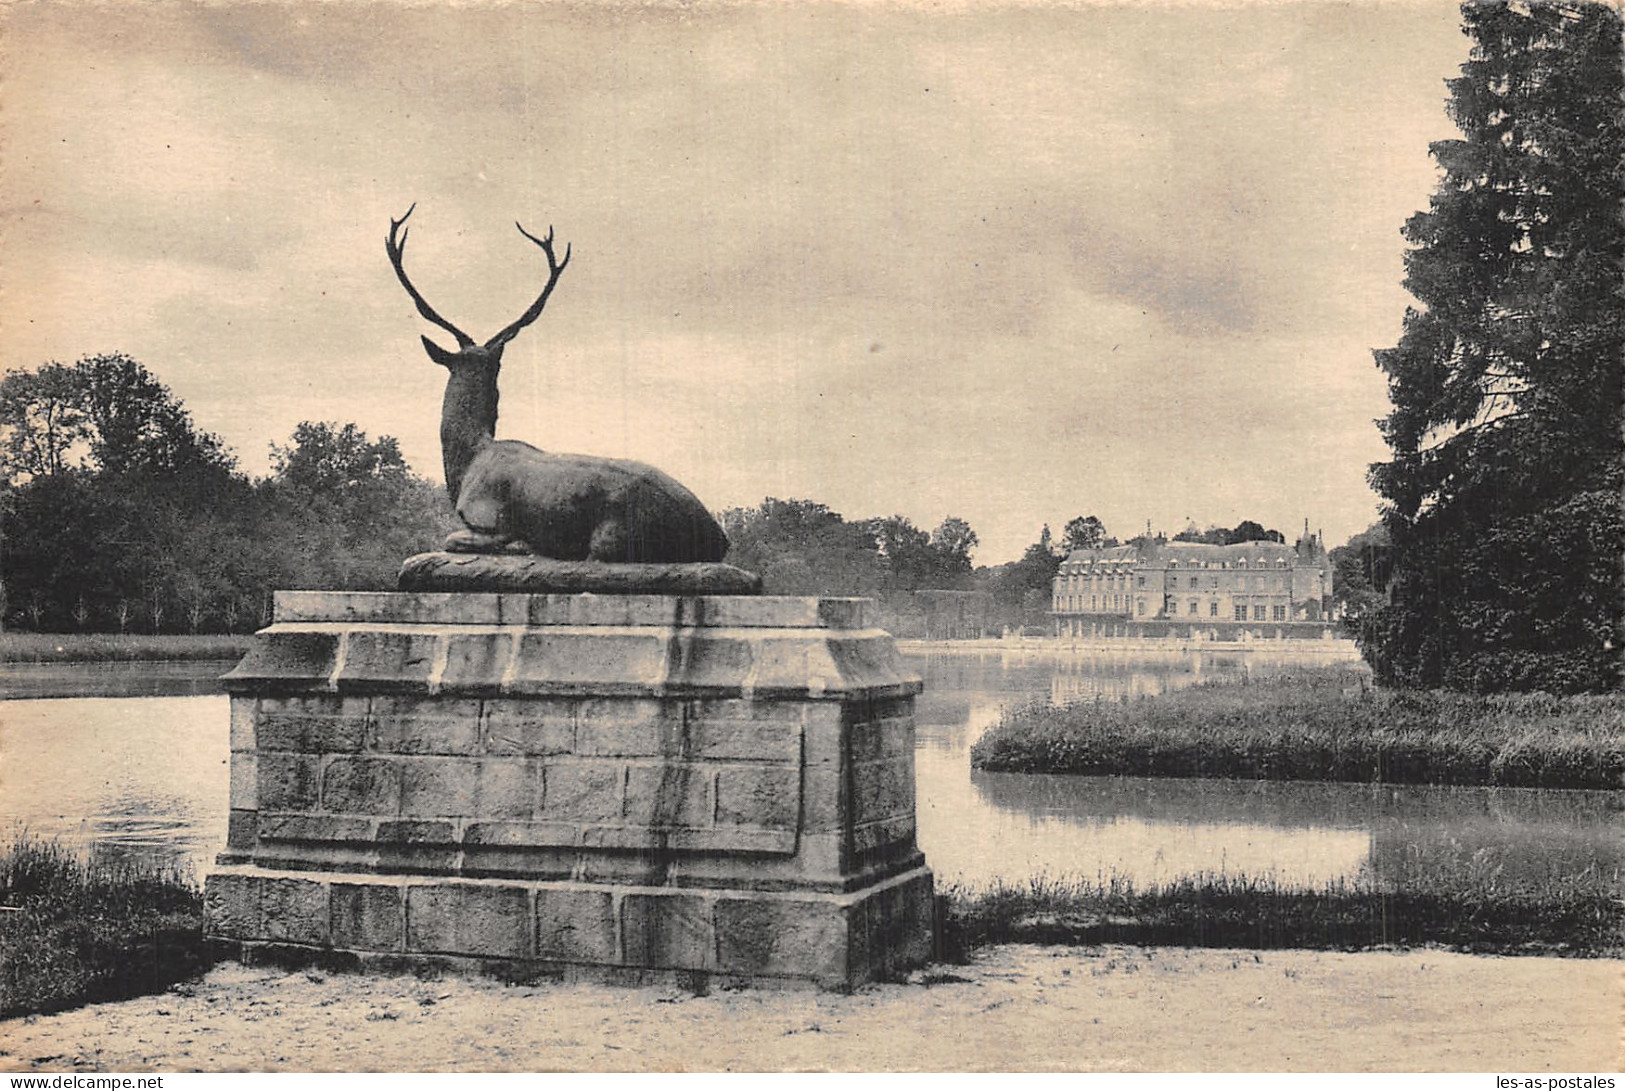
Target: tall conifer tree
point(1503, 493)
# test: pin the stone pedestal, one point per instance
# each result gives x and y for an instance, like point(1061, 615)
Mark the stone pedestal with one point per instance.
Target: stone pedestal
point(612, 786)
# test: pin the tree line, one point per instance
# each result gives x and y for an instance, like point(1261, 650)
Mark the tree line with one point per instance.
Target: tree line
point(119, 514)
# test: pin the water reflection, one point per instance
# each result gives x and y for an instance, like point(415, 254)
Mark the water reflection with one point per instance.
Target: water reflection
point(124, 776)
point(976, 827)
point(140, 678)
point(148, 776)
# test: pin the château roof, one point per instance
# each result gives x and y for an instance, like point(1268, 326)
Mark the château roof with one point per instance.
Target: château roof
point(1165, 554)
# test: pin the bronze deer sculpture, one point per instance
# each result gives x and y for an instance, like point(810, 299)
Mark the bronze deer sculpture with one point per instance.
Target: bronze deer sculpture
point(512, 497)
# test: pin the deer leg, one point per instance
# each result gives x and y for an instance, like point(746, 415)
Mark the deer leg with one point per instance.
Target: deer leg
point(481, 516)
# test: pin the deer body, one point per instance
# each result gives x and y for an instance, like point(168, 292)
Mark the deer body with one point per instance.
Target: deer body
point(510, 495)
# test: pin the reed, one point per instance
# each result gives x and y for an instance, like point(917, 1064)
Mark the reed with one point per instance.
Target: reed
point(1578, 915)
point(1321, 723)
point(74, 931)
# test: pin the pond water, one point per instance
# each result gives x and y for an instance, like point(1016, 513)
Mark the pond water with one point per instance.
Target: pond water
point(148, 775)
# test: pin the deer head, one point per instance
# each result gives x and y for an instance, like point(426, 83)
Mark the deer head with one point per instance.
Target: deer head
point(468, 352)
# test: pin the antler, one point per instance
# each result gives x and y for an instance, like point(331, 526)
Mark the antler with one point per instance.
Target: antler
point(554, 268)
point(396, 246)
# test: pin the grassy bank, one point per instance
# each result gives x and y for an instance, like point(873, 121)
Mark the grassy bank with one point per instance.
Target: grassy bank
point(1321, 723)
point(1575, 916)
point(115, 647)
point(73, 932)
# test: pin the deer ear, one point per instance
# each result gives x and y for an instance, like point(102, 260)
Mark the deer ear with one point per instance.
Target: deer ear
point(438, 354)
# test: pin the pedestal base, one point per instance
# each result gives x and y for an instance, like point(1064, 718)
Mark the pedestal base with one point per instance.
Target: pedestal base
point(542, 784)
point(567, 931)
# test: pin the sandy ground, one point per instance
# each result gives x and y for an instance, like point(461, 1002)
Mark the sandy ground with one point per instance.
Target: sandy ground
point(1015, 1008)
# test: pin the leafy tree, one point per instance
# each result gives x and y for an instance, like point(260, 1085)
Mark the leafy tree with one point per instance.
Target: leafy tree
point(1361, 570)
point(1249, 531)
point(1503, 489)
point(1026, 584)
point(325, 457)
point(1084, 532)
point(137, 424)
point(41, 418)
point(953, 540)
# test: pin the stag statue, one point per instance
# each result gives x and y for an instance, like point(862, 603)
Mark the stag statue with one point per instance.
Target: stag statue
point(515, 498)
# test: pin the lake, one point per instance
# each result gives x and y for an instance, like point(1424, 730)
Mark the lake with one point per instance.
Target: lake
point(148, 775)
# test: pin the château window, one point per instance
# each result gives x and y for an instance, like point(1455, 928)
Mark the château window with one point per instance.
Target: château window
point(1258, 612)
point(1193, 610)
point(1279, 613)
point(1193, 583)
point(1241, 611)
point(1213, 608)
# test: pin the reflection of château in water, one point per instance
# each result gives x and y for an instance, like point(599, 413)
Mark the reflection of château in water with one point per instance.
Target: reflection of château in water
point(1190, 589)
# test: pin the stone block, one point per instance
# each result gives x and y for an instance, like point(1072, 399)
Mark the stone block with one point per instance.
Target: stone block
point(245, 779)
point(670, 793)
point(527, 863)
point(242, 828)
point(231, 905)
point(439, 787)
point(844, 613)
point(379, 658)
point(883, 737)
point(728, 739)
point(628, 727)
point(507, 788)
point(782, 938)
point(313, 827)
point(575, 926)
point(293, 911)
point(646, 868)
point(360, 786)
point(622, 660)
point(280, 656)
point(415, 831)
point(242, 723)
point(823, 732)
point(882, 789)
point(704, 659)
point(311, 724)
point(488, 919)
point(542, 726)
point(371, 607)
point(664, 840)
point(479, 660)
point(824, 799)
point(521, 834)
point(425, 725)
point(749, 612)
point(367, 916)
point(602, 610)
point(878, 835)
point(288, 782)
point(667, 932)
point(760, 796)
point(582, 791)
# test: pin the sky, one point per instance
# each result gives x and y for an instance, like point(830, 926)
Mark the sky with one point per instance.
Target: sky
point(1011, 262)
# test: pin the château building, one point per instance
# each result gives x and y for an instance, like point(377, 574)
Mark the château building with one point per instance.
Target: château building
point(1190, 588)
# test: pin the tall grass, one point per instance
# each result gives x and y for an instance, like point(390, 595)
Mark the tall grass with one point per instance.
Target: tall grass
point(73, 932)
point(1578, 915)
point(116, 647)
point(1322, 723)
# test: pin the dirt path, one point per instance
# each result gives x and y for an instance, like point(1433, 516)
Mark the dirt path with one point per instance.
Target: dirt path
point(1015, 1008)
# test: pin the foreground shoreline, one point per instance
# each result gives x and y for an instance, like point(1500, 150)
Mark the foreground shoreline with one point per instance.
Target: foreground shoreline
point(1014, 1008)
